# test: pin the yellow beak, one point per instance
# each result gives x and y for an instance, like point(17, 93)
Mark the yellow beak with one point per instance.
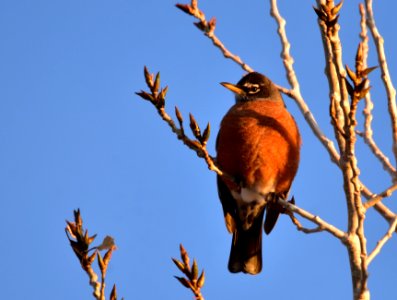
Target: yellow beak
point(234, 88)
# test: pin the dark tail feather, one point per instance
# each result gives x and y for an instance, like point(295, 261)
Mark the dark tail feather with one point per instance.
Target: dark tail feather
point(273, 210)
point(246, 250)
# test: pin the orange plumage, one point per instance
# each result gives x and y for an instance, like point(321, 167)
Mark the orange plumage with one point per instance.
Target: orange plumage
point(258, 144)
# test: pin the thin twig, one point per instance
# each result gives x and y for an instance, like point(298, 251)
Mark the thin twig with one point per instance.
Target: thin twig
point(382, 241)
point(80, 242)
point(299, 226)
point(341, 235)
point(296, 96)
point(390, 90)
point(208, 28)
point(157, 98)
point(295, 93)
point(343, 111)
point(192, 279)
point(376, 198)
point(367, 112)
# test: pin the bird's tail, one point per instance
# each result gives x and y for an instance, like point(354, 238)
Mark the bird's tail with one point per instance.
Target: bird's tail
point(246, 250)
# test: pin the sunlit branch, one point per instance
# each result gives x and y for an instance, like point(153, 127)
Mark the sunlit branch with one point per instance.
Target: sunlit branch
point(322, 225)
point(367, 112)
point(382, 241)
point(390, 90)
point(295, 93)
point(208, 28)
point(157, 98)
point(377, 198)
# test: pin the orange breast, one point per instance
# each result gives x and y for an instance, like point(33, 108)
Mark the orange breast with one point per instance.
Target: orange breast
point(258, 143)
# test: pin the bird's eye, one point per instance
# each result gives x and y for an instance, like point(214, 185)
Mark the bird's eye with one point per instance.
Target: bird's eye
point(253, 89)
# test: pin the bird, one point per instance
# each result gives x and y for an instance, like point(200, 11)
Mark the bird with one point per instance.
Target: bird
point(258, 147)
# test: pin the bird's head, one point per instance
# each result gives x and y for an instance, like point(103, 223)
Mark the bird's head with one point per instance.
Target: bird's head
point(254, 86)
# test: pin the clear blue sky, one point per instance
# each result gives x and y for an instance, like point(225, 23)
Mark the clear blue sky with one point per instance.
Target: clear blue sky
point(74, 135)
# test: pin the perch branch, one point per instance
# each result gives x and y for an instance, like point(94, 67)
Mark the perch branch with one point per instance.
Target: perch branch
point(199, 144)
point(322, 225)
point(157, 98)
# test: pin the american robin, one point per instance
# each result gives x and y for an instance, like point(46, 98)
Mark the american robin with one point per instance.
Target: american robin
point(258, 145)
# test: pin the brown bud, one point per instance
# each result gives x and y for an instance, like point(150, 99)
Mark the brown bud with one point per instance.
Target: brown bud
point(184, 256)
point(359, 53)
point(179, 264)
point(201, 25)
point(365, 72)
point(71, 229)
point(163, 93)
point(206, 134)
point(194, 273)
point(185, 8)
point(184, 282)
point(148, 77)
point(201, 280)
point(194, 127)
point(351, 74)
point(320, 14)
point(101, 263)
point(91, 239)
point(178, 116)
point(113, 293)
point(335, 10)
point(156, 85)
point(108, 256)
point(77, 218)
point(145, 96)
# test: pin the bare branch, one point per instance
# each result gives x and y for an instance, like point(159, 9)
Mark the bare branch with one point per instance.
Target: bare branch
point(208, 28)
point(341, 235)
point(80, 242)
point(382, 241)
point(367, 112)
point(202, 152)
point(299, 226)
point(381, 208)
point(295, 93)
point(192, 280)
point(157, 98)
point(390, 90)
point(376, 198)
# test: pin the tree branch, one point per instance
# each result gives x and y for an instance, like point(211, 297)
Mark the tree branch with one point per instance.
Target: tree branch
point(322, 225)
point(382, 241)
point(295, 93)
point(390, 90)
point(157, 98)
point(367, 135)
point(208, 28)
point(377, 198)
